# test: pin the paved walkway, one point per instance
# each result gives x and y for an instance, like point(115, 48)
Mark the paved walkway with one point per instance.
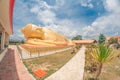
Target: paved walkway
point(12, 68)
point(73, 70)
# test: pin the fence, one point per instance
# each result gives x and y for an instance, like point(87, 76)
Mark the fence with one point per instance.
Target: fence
point(26, 52)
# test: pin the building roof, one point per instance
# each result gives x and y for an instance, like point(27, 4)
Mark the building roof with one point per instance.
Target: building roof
point(6, 13)
point(84, 41)
point(109, 37)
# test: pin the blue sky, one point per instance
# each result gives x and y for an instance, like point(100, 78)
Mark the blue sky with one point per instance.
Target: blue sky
point(88, 18)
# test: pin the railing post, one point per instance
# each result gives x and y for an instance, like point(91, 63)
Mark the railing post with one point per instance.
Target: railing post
point(30, 53)
point(38, 51)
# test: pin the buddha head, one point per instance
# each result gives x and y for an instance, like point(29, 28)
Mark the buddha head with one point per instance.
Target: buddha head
point(32, 31)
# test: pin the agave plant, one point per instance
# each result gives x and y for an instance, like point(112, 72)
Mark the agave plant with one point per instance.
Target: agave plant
point(102, 54)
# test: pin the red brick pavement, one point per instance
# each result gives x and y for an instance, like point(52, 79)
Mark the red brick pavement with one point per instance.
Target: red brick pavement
point(12, 68)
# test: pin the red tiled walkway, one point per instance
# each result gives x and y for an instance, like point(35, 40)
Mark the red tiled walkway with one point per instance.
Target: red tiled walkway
point(12, 68)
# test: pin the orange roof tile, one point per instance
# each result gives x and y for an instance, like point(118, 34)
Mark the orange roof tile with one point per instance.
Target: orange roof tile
point(84, 41)
point(109, 37)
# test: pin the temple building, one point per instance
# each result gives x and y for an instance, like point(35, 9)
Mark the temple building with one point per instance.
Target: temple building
point(85, 42)
point(6, 27)
point(109, 37)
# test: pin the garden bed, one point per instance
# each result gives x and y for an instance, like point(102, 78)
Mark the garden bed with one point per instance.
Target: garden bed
point(110, 71)
point(50, 63)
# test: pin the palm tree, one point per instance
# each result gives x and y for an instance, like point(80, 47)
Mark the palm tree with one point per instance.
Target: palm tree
point(101, 54)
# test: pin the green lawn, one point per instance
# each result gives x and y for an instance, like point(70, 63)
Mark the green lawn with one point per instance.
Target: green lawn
point(50, 63)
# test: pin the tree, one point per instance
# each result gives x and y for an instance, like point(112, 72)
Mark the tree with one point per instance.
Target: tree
point(22, 41)
point(113, 41)
point(101, 54)
point(102, 39)
point(78, 37)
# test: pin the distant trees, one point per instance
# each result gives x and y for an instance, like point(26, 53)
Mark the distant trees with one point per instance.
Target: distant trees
point(22, 41)
point(113, 41)
point(102, 39)
point(14, 42)
point(77, 37)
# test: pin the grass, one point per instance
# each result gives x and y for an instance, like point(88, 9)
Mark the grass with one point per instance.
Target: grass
point(110, 71)
point(50, 63)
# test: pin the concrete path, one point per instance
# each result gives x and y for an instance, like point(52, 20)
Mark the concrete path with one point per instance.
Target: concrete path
point(12, 68)
point(73, 70)
point(25, 55)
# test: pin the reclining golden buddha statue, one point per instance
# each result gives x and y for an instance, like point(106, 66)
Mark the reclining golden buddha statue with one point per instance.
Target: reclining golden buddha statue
point(43, 36)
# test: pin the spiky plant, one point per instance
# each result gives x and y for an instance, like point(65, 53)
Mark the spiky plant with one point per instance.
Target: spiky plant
point(102, 54)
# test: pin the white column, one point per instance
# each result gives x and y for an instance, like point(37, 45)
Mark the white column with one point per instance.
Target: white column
point(3, 40)
point(6, 39)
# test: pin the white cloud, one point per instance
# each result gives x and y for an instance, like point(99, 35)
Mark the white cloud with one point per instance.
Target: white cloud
point(35, 9)
point(112, 5)
point(21, 17)
point(17, 35)
point(49, 19)
point(65, 27)
point(43, 12)
point(46, 17)
point(86, 3)
point(90, 5)
point(59, 3)
point(107, 24)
